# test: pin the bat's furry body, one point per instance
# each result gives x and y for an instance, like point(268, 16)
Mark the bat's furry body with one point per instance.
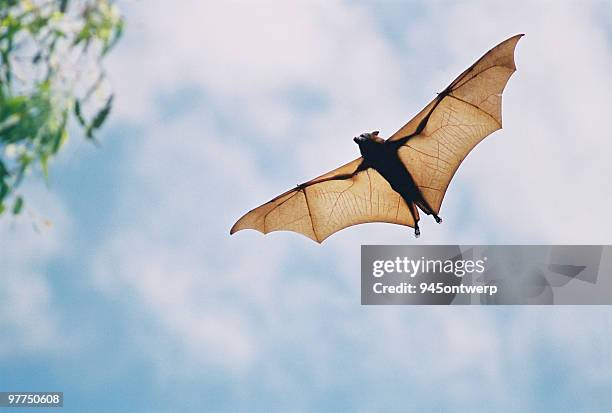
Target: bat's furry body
point(382, 156)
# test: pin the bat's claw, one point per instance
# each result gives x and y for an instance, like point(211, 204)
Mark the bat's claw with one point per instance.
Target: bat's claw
point(438, 219)
point(417, 232)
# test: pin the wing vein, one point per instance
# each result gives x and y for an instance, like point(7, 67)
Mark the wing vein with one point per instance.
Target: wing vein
point(477, 108)
point(464, 81)
point(265, 217)
point(370, 185)
point(314, 231)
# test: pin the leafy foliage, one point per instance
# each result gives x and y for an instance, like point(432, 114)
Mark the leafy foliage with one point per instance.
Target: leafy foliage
point(51, 73)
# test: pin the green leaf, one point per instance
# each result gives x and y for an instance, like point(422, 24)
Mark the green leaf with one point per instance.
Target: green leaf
point(61, 135)
point(37, 57)
point(44, 164)
point(116, 36)
point(4, 190)
point(3, 171)
point(78, 113)
point(9, 122)
point(100, 117)
point(18, 205)
point(38, 24)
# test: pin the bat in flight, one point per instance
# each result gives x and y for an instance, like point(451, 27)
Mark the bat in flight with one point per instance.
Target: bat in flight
point(411, 170)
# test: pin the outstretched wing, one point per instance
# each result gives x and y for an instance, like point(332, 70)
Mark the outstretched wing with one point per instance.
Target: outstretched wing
point(433, 144)
point(348, 195)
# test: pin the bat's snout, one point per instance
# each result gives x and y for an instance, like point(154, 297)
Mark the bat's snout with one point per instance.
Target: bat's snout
point(361, 138)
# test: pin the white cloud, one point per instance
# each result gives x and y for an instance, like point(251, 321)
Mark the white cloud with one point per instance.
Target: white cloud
point(224, 301)
point(28, 317)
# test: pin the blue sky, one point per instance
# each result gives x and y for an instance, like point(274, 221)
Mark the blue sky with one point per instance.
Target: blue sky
point(137, 299)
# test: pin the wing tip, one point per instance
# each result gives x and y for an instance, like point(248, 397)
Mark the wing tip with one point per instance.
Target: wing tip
point(238, 228)
point(511, 41)
point(240, 225)
point(235, 228)
point(516, 37)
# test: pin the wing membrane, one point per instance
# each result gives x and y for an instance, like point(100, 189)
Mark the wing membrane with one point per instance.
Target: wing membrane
point(329, 203)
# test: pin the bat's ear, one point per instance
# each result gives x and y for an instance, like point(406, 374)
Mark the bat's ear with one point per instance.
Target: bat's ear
point(375, 133)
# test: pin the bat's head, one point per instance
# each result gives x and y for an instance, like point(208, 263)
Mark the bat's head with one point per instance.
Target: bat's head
point(367, 137)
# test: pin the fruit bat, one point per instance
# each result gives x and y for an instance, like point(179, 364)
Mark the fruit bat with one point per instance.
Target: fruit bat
point(410, 171)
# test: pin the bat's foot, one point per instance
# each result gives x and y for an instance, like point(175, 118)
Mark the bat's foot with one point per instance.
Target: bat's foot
point(417, 232)
point(438, 219)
